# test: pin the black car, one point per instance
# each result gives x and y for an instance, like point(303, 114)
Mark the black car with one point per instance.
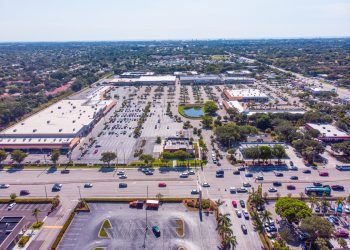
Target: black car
point(236, 172)
point(277, 183)
point(65, 171)
point(241, 169)
point(123, 185)
point(317, 184)
point(337, 188)
point(307, 171)
point(294, 177)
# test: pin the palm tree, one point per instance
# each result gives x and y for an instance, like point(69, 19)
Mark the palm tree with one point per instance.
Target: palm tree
point(230, 242)
point(35, 213)
point(225, 230)
point(218, 203)
point(55, 202)
point(325, 205)
point(224, 219)
point(266, 215)
point(313, 201)
point(340, 201)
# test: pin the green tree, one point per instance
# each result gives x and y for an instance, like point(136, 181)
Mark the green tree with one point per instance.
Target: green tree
point(210, 107)
point(263, 122)
point(55, 155)
point(3, 156)
point(148, 159)
point(35, 213)
point(159, 140)
point(265, 152)
point(343, 147)
point(231, 152)
point(181, 155)
point(108, 157)
point(230, 133)
point(18, 156)
point(207, 121)
point(292, 209)
point(316, 227)
point(278, 151)
point(13, 196)
point(230, 242)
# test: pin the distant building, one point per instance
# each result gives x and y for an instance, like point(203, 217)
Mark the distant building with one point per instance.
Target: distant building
point(318, 91)
point(214, 80)
point(144, 80)
point(239, 73)
point(135, 74)
point(328, 132)
point(173, 144)
point(245, 95)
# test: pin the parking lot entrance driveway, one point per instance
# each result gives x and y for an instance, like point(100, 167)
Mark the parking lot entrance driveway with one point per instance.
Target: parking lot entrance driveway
point(128, 228)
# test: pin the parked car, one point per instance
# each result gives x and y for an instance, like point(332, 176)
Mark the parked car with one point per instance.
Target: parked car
point(156, 231)
point(259, 178)
point(233, 190)
point(241, 169)
point(294, 177)
point(246, 184)
point(324, 174)
point(307, 171)
point(341, 233)
point(234, 203)
point(244, 229)
point(241, 202)
point(236, 172)
point(248, 175)
point(11, 205)
point(290, 187)
point(123, 176)
point(191, 172)
point(278, 174)
point(239, 213)
point(242, 190)
point(246, 214)
point(205, 184)
point(122, 172)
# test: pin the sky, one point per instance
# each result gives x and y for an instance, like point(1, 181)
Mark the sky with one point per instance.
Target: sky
point(100, 20)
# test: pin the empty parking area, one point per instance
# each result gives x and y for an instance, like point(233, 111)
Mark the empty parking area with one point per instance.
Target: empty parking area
point(129, 228)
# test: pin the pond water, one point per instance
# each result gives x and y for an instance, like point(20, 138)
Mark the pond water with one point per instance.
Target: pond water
point(194, 112)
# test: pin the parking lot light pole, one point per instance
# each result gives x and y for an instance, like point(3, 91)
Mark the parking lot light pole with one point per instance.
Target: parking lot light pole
point(45, 191)
point(79, 191)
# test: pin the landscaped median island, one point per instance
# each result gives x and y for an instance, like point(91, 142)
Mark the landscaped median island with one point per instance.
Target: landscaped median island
point(121, 224)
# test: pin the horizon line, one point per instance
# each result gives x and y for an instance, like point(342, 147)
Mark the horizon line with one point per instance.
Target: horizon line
point(179, 39)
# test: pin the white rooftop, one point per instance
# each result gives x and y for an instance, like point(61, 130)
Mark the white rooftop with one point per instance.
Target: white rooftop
point(327, 130)
point(145, 79)
point(237, 105)
point(247, 93)
point(62, 118)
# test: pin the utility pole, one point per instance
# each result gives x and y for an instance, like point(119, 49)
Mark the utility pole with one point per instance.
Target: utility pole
point(45, 191)
point(79, 192)
point(144, 239)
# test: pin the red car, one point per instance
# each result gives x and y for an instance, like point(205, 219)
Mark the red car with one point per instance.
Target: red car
point(342, 233)
point(234, 203)
point(162, 184)
point(324, 174)
point(95, 152)
point(290, 187)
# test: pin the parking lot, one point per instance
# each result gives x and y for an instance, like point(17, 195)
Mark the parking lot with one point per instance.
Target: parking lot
point(128, 228)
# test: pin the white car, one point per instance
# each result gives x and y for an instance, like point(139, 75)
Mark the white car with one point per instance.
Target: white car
point(205, 184)
point(233, 190)
point(120, 173)
point(183, 175)
point(194, 191)
point(239, 213)
point(246, 184)
point(191, 172)
point(124, 176)
point(246, 214)
point(272, 190)
point(4, 185)
point(11, 205)
point(88, 185)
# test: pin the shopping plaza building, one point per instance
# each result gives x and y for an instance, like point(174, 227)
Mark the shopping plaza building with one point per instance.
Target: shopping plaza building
point(59, 126)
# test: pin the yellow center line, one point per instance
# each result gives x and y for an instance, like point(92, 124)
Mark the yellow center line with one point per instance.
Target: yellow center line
point(53, 227)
